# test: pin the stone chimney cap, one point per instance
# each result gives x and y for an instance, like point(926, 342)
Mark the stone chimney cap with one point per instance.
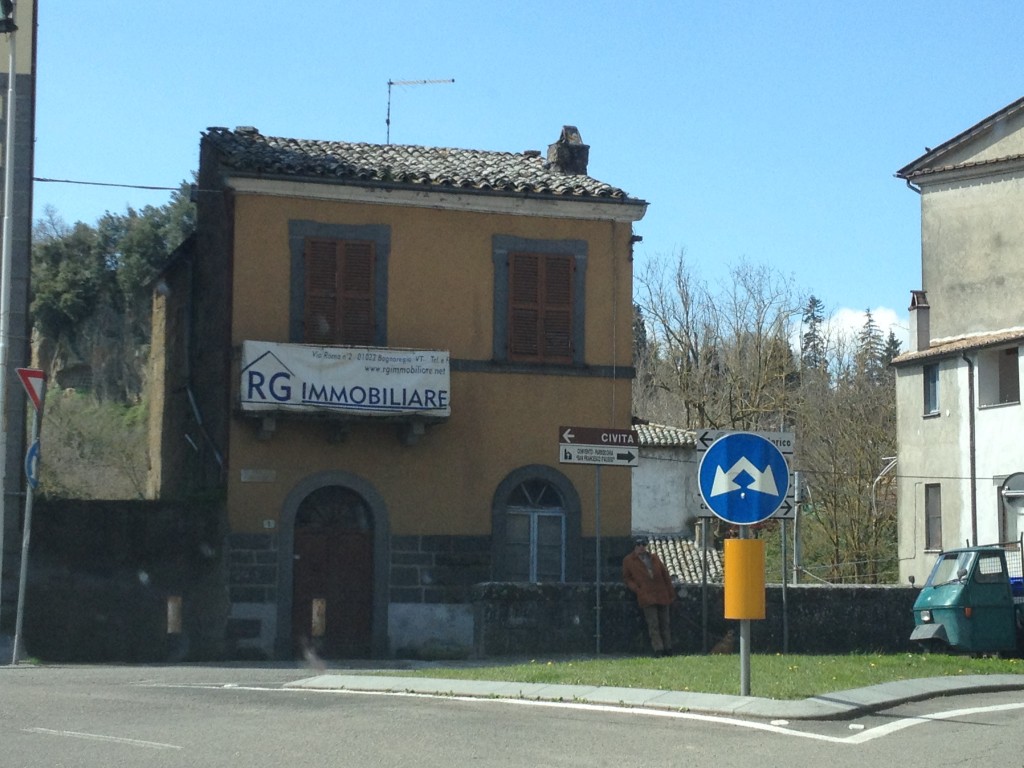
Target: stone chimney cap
point(570, 135)
point(569, 155)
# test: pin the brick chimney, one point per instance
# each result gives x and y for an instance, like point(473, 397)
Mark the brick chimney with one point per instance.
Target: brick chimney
point(569, 155)
point(920, 327)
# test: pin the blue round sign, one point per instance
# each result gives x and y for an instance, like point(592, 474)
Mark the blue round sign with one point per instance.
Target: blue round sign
point(32, 464)
point(743, 478)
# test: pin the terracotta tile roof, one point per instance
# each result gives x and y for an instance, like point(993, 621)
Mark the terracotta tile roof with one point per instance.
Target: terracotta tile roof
point(927, 171)
point(963, 344)
point(682, 557)
point(662, 436)
point(248, 151)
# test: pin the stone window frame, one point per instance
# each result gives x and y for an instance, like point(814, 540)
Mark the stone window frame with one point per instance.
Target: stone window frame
point(299, 231)
point(572, 519)
point(502, 247)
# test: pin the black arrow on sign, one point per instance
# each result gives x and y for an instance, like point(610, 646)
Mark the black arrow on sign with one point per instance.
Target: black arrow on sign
point(625, 456)
point(706, 439)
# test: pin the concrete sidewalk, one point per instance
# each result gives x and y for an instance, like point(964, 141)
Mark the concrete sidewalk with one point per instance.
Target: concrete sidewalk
point(833, 706)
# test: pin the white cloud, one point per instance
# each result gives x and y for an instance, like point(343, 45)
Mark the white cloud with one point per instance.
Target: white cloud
point(846, 323)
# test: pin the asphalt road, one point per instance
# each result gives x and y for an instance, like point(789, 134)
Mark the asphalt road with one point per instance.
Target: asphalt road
point(219, 716)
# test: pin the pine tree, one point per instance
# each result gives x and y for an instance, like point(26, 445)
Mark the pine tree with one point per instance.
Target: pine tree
point(870, 348)
point(812, 343)
point(892, 348)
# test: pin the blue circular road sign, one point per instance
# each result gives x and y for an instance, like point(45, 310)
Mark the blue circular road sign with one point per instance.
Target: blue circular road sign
point(743, 478)
point(32, 464)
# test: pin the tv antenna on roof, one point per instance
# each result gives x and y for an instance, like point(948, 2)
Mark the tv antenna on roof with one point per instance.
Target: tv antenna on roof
point(408, 82)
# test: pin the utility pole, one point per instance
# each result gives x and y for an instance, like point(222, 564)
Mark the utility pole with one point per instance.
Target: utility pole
point(8, 27)
point(407, 82)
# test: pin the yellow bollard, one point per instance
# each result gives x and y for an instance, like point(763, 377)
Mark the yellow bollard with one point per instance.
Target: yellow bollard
point(744, 579)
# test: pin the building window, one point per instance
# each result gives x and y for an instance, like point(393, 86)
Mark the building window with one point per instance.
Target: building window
point(933, 516)
point(535, 533)
point(535, 527)
point(540, 307)
point(998, 377)
point(339, 292)
point(931, 389)
point(539, 300)
point(338, 284)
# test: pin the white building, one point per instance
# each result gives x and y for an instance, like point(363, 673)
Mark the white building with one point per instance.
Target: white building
point(666, 502)
point(959, 415)
point(666, 497)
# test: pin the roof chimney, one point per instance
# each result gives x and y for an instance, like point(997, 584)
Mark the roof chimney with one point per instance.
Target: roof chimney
point(920, 327)
point(569, 154)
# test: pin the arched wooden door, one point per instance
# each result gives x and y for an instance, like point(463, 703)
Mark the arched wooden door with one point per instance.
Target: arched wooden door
point(332, 575)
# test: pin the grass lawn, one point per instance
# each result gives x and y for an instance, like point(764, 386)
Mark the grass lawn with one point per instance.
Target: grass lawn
point(775, 677)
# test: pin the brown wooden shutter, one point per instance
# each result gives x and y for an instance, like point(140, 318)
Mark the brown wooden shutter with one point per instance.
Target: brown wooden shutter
point(339, 292)
point(540, 307)
point(556, 323)
point(524, 305)
point(357, 321)
point(321, 315)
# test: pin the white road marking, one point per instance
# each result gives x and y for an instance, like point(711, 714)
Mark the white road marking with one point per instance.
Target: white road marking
point(100, 737)
point(861, 737)
point(899, 725)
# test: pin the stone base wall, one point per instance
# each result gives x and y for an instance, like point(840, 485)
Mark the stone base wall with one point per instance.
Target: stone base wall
point(103, 577)
point(438, 569)
point(532, 619)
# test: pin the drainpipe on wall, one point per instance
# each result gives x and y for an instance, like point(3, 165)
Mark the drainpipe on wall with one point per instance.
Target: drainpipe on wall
point(972, 448)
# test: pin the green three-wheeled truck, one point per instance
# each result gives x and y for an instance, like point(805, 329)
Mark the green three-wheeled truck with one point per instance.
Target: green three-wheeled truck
point(973, 602)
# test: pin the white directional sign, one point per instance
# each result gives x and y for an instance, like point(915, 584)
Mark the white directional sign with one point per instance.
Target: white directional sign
point(784, 441)
point(597, 445)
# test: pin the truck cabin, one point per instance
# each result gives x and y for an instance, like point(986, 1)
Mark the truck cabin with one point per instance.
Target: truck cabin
point(968, 603)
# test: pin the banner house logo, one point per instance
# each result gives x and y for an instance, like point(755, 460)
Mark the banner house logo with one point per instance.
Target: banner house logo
point(358, 380)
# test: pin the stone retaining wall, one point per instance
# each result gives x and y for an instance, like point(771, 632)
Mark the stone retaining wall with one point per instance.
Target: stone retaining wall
point(532, 619)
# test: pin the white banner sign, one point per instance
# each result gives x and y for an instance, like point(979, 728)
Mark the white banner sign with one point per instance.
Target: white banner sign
point(369, 381)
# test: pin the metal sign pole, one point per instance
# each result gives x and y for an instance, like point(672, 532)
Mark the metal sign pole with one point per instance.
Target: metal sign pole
point(6, 258)
point(744, 479)
point(597, 568)
point(785, 601)
point(25, 536)
point(598, 446)
point(704, 533)
point(744, 638)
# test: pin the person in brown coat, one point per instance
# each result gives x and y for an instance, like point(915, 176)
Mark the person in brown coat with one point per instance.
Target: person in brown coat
point(647, 577)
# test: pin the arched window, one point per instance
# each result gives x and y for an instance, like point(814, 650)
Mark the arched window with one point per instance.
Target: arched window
point(333, 506)
point(535, 522)
point(535, 533)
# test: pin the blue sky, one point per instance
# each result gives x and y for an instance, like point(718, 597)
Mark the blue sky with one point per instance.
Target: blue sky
point(760, 131)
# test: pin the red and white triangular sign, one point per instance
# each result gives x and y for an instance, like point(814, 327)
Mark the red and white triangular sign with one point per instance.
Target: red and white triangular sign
point(34, 381)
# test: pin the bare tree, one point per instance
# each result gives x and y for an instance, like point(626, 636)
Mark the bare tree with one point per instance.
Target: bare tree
point(737, 358)
point(717, 359)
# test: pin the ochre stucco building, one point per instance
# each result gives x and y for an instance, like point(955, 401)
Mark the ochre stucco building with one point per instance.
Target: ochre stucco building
point(367, 351)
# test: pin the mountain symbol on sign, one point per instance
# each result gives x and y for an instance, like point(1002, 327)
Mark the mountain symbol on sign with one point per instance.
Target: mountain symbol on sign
point(762, 482)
